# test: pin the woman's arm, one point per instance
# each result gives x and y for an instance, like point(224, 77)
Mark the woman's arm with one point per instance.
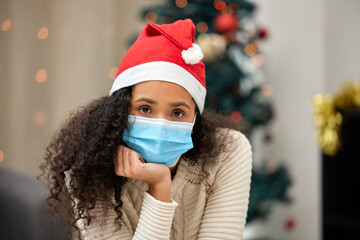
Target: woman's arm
point(154, 221)
point(226, 209)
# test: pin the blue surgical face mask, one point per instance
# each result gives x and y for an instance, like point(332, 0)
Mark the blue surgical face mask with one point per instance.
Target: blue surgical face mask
point(159, 140)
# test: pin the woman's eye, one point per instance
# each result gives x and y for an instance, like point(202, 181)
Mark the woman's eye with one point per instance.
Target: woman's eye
point(145, 109)
point(178, 114)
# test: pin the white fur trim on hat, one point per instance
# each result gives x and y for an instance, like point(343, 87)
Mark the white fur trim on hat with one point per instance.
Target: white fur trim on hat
point(193, 55)
point(163, 71)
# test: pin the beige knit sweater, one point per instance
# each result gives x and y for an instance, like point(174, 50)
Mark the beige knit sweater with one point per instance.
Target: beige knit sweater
point(192, 214)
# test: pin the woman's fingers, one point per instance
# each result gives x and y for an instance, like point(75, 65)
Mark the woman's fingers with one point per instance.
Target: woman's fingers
point(135, 165)
point(128, 163)
point(120, 162)
point(135, 161)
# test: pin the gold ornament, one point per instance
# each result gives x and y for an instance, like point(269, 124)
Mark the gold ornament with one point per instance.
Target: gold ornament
point(328, 117)
point(212, 45)
point(205, 44)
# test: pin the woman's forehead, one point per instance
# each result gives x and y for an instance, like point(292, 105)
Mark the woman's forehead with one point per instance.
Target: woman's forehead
point(161, 87)
point(162, 91)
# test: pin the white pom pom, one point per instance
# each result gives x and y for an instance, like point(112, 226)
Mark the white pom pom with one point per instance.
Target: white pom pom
point(193, 55)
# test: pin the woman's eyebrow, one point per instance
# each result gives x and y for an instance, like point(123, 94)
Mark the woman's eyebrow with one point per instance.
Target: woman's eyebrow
point(176, 104)
point(146, 100)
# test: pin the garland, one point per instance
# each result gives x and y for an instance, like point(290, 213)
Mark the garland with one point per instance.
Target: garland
point(328, 115)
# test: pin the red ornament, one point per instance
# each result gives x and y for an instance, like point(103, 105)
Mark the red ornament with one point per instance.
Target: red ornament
point(220, 5)
point(289, 223)
point(263, 33)
point(226, 22)
point(236, 117)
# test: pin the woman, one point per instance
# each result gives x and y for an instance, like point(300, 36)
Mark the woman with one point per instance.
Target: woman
point(146, 162)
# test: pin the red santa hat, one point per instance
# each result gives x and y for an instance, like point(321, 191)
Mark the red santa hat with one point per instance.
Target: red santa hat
point(165, 52)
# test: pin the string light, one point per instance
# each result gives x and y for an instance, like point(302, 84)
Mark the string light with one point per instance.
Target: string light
point(1, 156)
point(41, 76)
point(181, 3)
point(267, 90)
point(112, 73)
point(220, 5)
point(250, 49)
point(150, 17)
point(43, 33)
point(202, 27)
point(6, 25)
point(39, 118)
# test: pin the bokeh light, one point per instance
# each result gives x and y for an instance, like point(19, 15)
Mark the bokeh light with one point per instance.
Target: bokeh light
point(290, 223)
point(257, 60)
point(233, 7)
point(271, 167)
point(250, 49)
point(250, 32)
point(150, 17)
point(220, 5)
point(41, 76)
point(43, 33)
point(267, 90)
point(39, 118)
point(181, 3)
point(202, 27)
point(112, 73)
point(6, 25)
point(1, 156)
point(257, 44)
point(236, 117)
point(319, 99)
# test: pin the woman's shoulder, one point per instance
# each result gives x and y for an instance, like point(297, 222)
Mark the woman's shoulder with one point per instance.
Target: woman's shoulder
point(232, 139)
point(231, 131)
point(236, 152)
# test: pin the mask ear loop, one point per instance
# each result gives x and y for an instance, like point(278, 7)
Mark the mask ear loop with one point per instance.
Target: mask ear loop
point(194, 119)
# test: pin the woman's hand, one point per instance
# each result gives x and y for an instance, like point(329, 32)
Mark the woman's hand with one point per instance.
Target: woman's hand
point(128, 163)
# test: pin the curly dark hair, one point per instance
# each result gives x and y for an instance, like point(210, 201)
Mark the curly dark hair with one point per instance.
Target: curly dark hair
point(86, 143)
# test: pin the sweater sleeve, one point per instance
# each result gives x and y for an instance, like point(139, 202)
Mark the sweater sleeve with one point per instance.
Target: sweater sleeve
point(155, 219)
point(226, 209)
point(154, 222)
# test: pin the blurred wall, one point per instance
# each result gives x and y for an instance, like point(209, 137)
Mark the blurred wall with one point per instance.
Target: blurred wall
point(342, 42)
point(86, 40)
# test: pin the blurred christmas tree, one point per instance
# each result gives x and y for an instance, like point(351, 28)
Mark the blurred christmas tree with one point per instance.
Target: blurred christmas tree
point(231, 42)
